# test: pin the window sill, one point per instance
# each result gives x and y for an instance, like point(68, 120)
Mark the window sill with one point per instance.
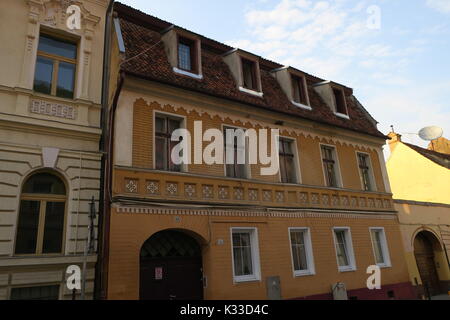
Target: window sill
point(246, 279)
point(252, 92)
point(341, 115)
point(347, 269)
point(187, 73)
point(298, 274)
point(384, 266)
point(301, 105)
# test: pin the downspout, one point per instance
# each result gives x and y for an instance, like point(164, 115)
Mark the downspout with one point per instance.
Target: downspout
point(108, 190)
point(102, 147)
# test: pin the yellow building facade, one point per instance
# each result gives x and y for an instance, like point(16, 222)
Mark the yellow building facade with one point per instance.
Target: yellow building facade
point(210, 231)
point(420, 181)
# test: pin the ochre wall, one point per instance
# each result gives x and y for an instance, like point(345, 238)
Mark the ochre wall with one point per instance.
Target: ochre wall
point(308, 148)
point(130, 230)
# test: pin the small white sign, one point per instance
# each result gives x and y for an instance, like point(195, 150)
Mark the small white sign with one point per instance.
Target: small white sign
point(158, 273)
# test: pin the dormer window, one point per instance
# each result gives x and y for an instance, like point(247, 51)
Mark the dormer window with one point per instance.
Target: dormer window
point(249, 74)
point(299, 92)
point(245, 70)
point(183, 50)
point(339, 99)
point(187, 55)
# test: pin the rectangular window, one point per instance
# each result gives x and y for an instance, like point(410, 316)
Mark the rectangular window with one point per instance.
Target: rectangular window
point(299, 90)
point(249, 74)
point(380, 247)
point(238, 148)
point(287, 163)
point(187, 55)
point(344, 249)
point(35, 293)
point(28, 226)
point(365, 171)
point(301, 250)
point(245, 254)
point(340, 101)
point(55, 67)
point(330, 166)
point(164, 127)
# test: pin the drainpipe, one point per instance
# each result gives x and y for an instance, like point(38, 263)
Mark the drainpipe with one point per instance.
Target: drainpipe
point(103, 121)
point(107, 191)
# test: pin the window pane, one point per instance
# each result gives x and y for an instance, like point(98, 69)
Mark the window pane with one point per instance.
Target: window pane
point(184, 56)
point(242, 254)
point(43, 75)
point(290, 171)
point(44, 183)
point(341, 249)
point(27, 229)
point(54, 227)
point(378, 248)
point(248, 71)
point(35, 293)
point(161, 153)
point(61, 48)
point(299, 250)
point(160, 125)
point(66, 80)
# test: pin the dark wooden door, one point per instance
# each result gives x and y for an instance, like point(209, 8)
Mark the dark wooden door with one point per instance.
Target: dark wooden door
point(171, 268)
point(423, 251)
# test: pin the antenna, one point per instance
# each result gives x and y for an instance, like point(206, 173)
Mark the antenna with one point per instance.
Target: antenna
point(431, 133)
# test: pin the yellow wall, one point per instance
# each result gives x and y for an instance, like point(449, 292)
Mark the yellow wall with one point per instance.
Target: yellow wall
point(414, 177)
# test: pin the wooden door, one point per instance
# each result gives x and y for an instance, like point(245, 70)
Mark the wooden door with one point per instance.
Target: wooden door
point(423, 251)
point(171, 268)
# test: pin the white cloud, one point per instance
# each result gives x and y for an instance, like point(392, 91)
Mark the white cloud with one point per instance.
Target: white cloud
point(439, 5)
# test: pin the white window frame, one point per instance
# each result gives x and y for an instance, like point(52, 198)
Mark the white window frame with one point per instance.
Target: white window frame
point(371, 173)
point(184, 167)
point(350, 251)
point(256, 275)
point(384, 247)
point(298, 173)
point(309, 252)
point(306, 106)
point(248, 166)
point(337, 167)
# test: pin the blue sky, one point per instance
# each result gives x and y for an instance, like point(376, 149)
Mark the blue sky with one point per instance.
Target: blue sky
point(399, 69)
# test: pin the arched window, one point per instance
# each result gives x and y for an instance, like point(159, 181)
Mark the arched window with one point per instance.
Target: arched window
point(40, 228)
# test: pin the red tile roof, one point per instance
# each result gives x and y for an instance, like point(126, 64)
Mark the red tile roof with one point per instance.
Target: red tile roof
point(142, 33)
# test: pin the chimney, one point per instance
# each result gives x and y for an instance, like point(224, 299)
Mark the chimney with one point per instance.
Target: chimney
point(395, 138)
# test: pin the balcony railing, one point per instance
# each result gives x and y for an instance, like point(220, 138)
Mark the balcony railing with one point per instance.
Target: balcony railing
point(216, 190)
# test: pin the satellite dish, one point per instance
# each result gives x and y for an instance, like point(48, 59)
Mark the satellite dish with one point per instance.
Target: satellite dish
point(431, 133)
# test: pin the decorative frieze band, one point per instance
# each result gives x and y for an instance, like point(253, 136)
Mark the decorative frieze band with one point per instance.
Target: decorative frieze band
point(237, 213)
point(53, 109)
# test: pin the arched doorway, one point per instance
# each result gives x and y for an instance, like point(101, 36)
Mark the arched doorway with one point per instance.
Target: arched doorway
point(424, 249)
point(171, 267)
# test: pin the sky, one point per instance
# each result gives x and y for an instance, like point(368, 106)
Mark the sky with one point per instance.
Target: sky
point(395, 54)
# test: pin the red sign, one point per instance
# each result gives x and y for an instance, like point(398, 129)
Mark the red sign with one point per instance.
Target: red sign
point(158, 273)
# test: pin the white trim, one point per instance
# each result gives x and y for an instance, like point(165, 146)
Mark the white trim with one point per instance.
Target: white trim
point(256, 275)
point(298, 173)
point(341, 115)
point(337, 167)
point(384, 245)
point(184, 167)
point(309, 253)
point(350, 251)
point(187, 73)
point(371, 173)
point(301, 105)
point(252, 92)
